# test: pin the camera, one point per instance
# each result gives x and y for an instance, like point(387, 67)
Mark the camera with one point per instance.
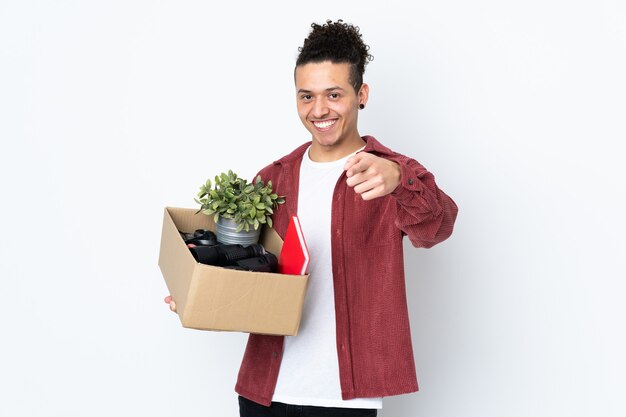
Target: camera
point(266, 262)
point(207, 250)
point(201, 237)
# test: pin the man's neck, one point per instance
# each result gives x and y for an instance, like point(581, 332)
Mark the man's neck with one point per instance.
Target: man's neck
point(320, 153)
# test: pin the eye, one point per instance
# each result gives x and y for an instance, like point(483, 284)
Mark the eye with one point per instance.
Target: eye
point(306, 97)
point(334, 96)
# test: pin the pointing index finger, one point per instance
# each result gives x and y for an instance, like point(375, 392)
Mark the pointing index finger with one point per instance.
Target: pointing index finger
point(352, 165)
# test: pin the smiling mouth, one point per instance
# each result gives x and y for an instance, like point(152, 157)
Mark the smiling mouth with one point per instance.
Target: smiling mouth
point(324, 124)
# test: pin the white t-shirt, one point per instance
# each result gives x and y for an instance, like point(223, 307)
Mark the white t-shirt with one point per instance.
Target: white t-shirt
point(309, 370)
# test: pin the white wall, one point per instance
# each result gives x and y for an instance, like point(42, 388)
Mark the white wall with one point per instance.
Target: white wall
point(110, 111)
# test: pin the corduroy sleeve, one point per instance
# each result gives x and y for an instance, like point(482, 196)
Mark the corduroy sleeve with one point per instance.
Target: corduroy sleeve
point(424, 212)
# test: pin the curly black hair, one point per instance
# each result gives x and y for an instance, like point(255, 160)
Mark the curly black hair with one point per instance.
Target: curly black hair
point(339, 43)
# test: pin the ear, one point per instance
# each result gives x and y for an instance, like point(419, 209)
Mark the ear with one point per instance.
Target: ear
point(363, 94)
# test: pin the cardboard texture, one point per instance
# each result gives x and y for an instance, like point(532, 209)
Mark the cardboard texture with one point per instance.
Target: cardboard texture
point(214, 298)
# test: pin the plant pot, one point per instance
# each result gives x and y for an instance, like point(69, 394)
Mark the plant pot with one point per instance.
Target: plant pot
point(226, 230)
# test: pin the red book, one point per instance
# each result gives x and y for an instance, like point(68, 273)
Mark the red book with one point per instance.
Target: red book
point(294, 256)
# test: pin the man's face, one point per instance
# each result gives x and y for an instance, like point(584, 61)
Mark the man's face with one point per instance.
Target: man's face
point(327, 103)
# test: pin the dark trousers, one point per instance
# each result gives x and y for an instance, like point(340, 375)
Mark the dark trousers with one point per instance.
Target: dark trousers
point(249, 408)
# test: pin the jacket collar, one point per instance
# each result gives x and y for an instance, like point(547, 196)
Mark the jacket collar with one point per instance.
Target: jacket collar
point(371, 145)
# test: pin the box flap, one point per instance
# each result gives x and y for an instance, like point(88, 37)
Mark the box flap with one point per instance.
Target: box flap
point(176, 263)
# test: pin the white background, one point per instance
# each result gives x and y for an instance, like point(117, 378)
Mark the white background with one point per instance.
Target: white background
point(110, 111)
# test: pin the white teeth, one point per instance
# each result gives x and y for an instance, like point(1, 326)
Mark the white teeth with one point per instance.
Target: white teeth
point(324, 125)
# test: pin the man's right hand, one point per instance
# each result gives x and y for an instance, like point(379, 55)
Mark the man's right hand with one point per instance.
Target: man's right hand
point(168, 300)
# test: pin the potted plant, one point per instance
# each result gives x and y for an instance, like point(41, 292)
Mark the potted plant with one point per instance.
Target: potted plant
point(239, 208)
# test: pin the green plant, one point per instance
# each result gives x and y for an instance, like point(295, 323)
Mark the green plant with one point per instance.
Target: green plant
point(249, 205)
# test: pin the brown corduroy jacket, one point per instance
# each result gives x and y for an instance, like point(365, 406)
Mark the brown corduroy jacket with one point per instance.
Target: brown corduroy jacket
point(373, 336)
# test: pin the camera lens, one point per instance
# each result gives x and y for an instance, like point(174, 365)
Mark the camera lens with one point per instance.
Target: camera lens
point(223, 255)
point(262, 263)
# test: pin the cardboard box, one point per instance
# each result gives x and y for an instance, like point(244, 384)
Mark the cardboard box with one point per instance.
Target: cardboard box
point(214, 298)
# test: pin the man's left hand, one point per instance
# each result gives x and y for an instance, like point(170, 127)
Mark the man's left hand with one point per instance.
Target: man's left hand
point(372, 176)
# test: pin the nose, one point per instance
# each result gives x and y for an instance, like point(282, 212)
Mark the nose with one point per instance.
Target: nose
point(320, 108)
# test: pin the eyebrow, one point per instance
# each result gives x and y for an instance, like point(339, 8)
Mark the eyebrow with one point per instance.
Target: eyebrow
point(302, 90)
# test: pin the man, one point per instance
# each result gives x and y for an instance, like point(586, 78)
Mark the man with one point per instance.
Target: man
point(356, 199)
